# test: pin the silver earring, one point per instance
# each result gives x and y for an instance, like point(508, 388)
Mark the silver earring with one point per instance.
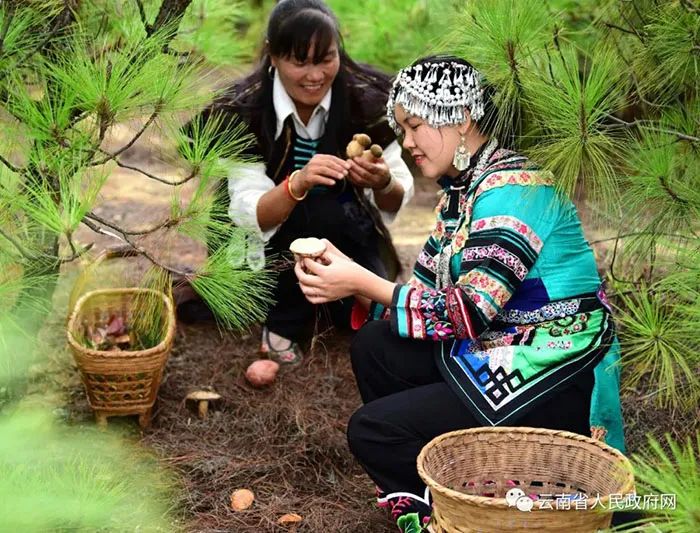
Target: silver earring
point(462, 156)
point(271, 72)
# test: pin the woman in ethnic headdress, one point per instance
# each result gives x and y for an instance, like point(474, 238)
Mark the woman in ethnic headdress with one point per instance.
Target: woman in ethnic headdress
point(503, 321)
point(303, 103)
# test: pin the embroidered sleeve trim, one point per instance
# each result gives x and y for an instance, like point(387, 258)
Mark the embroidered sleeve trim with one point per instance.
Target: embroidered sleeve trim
point(508, 222)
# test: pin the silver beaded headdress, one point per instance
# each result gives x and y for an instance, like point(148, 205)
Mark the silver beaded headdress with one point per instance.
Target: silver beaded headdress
point(439, 92)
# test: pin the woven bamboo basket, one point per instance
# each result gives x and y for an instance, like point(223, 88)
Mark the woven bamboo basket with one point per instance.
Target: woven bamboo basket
point(470, 471)
point(119, 383)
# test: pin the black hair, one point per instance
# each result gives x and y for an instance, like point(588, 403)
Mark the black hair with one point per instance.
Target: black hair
point(359, 91)
point(487, 123)
point(295, 24)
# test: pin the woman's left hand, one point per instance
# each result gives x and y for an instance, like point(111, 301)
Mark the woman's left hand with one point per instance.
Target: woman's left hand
point(328, 282)
point(369, 174)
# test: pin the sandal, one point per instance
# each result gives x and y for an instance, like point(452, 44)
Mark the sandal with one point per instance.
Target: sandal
point(290, 356)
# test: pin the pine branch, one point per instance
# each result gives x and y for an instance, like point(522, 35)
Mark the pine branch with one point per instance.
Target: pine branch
point(620, 28)
point(670, 192)
point(128, 145)
point(76, 253)
point(142, 14)
point(639, 234)
point(649, 125)
point(126, 239)
point(627, 21)
point(11, 166)
point(61, 22)
point(9, 15)
point(166, 224)
point(169, 16)
point(17, 246)
point(690, 6)
point(639, 13)
point(191, 176)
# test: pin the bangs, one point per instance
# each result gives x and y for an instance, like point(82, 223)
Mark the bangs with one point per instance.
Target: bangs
point(302, 29)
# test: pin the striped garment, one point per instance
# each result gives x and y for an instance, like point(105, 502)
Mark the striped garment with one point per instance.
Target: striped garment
point(304, 150)
point(524, 312)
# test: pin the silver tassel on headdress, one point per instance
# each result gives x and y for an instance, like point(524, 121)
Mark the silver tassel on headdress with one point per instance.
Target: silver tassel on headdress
point(441, 93)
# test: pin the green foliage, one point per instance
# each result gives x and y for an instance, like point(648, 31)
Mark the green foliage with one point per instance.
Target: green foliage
point(604, 93)
point(669, 56)
point(673, 469)
point(570, 105)
point(148, 310)
point(390, 34)
point(212, 29)
point(63, 93)
point(58, 479)
point(230, 290)
point(658, 345)
point(499, 38)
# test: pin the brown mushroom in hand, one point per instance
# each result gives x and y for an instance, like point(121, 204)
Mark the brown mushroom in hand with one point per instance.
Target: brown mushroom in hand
point(354, 149)
point(203, 397)
point(376, 151)
point(363, 139)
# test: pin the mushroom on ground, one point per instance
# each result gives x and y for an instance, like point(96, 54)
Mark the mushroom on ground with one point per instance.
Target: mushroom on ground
point(203, 397)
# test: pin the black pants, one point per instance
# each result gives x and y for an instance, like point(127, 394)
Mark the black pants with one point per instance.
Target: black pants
point(407, 403)
point(339, 218)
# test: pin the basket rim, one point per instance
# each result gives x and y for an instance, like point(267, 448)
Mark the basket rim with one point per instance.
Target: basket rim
point(162, 345)
point(501, 503)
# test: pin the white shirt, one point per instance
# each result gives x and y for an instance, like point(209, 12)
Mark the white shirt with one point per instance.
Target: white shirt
point(247, 182)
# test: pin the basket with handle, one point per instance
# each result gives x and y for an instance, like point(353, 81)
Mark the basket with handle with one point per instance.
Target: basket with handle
point(567, 478)
point(125, 382)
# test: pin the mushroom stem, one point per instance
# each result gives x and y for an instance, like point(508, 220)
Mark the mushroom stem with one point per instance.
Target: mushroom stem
point(203, 408)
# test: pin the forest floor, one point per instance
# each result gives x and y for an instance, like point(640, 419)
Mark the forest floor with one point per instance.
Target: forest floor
point(287, 442)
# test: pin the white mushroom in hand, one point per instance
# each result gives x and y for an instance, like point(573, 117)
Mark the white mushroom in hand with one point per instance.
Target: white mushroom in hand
point(310, 247)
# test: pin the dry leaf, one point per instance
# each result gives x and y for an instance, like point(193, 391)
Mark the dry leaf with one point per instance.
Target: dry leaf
point(290, 518)
point(116, 325)
point(241, 499)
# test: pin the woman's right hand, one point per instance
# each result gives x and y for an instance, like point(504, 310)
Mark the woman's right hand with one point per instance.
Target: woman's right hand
point(322, 169)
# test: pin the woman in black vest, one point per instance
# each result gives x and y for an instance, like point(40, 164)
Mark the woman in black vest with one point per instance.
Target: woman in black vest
point(303, 104)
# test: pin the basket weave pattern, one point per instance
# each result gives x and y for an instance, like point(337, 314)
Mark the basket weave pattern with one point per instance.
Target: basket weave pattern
point(470, 471)
point(119, 382)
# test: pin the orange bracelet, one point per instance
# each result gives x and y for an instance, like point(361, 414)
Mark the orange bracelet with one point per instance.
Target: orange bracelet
point(289, 187)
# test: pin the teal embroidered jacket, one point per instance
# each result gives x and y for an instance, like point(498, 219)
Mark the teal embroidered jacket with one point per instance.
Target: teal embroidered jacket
point(524, 311)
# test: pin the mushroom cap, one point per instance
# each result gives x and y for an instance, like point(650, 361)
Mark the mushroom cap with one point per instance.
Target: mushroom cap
point(308, 247)
point(203, 395)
